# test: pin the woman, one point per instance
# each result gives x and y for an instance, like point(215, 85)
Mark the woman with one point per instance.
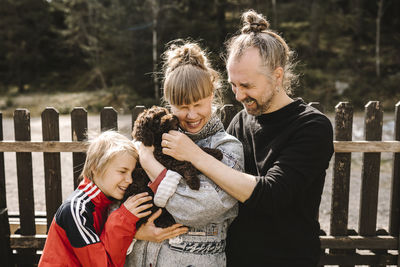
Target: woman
point(190, 86)
point(287, 145)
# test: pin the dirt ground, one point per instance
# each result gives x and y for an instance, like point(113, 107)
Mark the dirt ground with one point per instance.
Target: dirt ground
point(124, 127)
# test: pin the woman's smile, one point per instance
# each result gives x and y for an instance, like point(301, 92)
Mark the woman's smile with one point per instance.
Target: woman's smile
point(192, 117)
point(193, 124)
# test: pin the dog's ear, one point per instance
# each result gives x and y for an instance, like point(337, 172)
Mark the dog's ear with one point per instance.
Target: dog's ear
point(175, 122)
point(148, 126)
point(146, 131)
point(142, 130)
point(169, 122)
point(147, 137)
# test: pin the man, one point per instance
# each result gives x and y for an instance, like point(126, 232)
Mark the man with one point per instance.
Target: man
point(287, 148)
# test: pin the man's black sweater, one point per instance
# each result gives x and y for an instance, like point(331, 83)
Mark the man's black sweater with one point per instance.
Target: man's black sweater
point(288, 151)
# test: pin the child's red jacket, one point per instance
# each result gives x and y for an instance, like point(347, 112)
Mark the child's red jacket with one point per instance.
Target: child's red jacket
point(80, 235)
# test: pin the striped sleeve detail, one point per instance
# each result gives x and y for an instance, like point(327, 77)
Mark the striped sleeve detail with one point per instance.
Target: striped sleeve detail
point(76, 217)
point(167, 188)
point(154, 185)
point(78, 208)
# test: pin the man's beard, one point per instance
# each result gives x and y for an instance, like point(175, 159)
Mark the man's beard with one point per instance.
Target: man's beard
point(260, 108)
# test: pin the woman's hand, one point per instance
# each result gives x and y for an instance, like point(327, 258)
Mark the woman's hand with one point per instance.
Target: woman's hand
point(179, 146)
point(152, 233)
point(134, 205)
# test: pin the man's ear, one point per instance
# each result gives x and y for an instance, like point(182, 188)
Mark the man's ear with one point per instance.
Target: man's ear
point(278, 75)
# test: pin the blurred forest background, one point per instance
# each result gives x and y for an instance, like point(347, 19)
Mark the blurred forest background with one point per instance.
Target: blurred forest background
point(347, 50)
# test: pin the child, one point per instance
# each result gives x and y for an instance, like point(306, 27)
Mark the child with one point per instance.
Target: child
point(79, 234)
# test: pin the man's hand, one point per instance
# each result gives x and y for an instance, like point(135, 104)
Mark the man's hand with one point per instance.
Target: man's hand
point(152, 233)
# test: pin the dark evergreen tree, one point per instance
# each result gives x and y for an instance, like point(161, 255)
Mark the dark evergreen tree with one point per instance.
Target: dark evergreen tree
point(116, 44)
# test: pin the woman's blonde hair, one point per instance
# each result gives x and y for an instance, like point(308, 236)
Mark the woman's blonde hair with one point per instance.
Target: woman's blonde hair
point(103, 149)
point(188, 75)
point(272, 47)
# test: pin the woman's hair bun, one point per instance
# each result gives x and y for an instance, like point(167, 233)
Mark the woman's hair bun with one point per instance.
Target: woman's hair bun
point(185, 54)
point(254, 22)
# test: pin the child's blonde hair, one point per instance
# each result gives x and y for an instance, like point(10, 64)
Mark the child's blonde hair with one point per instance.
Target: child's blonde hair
point(103, 149)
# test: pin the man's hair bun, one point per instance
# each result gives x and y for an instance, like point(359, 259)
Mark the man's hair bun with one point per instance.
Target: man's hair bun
point(254, 22)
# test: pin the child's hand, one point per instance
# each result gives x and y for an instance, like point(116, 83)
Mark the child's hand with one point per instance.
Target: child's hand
point(152, 233)
point(134, 205)
point(147, 160)
point(145, 152)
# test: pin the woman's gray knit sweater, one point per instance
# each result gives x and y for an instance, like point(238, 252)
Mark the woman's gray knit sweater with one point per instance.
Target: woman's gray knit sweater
point(207, 212)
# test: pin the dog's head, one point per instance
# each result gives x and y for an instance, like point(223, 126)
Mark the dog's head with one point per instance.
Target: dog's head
point(152, 123)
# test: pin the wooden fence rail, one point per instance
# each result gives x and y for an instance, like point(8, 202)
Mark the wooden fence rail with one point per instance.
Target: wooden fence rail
point(343, 247)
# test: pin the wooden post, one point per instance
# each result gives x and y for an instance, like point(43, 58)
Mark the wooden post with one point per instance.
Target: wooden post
point(227, 113)
point(3, 199)
point(370, 173)
point(341, 175)
point(370, 170)
point(394, 222)
point(5, 249)
point(341, 171)
point(135, 113)
point(79, 126)
point(22, 132)
point(52, 165)
point(108, 119)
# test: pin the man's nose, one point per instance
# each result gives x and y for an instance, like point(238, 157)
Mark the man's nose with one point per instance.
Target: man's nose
point(239, 95)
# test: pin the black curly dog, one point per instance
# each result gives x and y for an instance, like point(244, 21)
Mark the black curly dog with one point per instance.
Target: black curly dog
point(148, 128)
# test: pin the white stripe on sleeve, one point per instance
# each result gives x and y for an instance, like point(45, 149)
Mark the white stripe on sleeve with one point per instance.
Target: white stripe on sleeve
point(167, 188)
point(76, 202)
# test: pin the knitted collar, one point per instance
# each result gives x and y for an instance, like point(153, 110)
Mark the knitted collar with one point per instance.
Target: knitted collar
point(210, 128)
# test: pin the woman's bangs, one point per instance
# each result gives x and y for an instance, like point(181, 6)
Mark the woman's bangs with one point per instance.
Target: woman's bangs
point(185, 90)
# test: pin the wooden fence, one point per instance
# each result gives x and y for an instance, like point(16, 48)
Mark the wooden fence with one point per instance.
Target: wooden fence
point(344, 247)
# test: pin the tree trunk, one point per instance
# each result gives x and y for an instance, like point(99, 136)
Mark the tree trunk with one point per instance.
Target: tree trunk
point(274, 15)
point(356, 9)
point(378, 37)
point(315, 27)
point(155, 8)
point(221, 6)
point(99, 73)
